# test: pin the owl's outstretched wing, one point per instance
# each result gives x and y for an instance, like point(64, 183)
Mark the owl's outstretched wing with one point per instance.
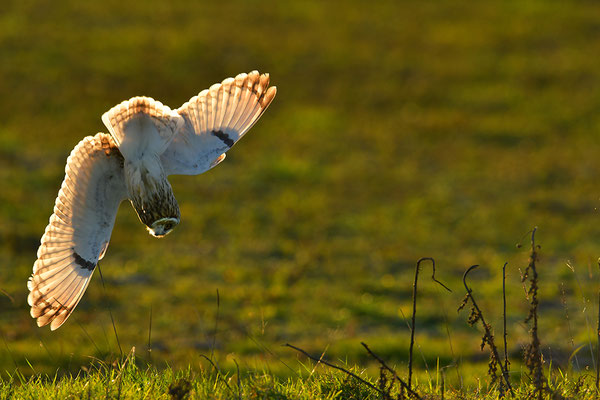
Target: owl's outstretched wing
point(78, 232)
point(215, 120)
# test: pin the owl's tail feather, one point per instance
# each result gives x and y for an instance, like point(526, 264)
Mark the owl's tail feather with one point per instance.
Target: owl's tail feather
point(142, 126)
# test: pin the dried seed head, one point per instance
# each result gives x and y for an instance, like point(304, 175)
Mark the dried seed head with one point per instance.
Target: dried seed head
point(463, 303)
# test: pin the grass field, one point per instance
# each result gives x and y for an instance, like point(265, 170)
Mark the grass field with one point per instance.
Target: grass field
point(400, 130)
point(127, 381)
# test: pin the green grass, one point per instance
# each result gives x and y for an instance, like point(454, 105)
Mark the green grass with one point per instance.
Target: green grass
point(125, 379)
point(400, 130)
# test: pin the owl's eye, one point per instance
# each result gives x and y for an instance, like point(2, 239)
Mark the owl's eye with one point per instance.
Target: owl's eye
point(168, 226)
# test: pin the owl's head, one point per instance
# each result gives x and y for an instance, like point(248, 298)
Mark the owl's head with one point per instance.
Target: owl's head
point(163, 227)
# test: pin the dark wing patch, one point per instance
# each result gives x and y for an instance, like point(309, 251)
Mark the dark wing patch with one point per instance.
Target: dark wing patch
point(83, 263)
point(224, 138)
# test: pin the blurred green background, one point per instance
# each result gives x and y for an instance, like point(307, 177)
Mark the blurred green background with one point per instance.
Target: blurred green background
point(400, 130)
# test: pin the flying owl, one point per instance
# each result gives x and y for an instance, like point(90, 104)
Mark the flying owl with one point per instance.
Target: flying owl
point(147, 142)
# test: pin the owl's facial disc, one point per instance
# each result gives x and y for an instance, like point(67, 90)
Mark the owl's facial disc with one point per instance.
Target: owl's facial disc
point(162, 226)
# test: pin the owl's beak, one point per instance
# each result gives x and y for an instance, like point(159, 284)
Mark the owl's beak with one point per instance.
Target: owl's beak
point(162, 227)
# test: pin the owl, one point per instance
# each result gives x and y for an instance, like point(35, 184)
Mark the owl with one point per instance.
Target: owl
point(147, 142)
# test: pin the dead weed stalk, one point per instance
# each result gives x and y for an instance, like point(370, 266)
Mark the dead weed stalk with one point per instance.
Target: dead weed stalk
point(487, 338)
point(532, 354)
point(414, 310)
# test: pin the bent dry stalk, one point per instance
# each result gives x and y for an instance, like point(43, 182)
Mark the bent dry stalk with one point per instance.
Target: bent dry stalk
point(488, 337)
point(414, 311)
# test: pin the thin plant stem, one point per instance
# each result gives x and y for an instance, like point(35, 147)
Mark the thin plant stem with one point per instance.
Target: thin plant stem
point(533, 355)
point(358, 378)
point(393, 372)
point(212, 347)
point(584, 302)
point(506, 362)
point(110, 312)
point(488, 333)
point(12, 300)
point(149, 347)
point(219, 374)
point(414, 310)
point(563, 299)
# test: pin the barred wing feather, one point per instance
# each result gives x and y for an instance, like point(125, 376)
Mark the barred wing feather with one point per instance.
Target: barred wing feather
point(215, 120)
point(78, 232)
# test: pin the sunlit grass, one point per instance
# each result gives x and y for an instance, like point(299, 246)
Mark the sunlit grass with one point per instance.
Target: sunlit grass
point(128, 378)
